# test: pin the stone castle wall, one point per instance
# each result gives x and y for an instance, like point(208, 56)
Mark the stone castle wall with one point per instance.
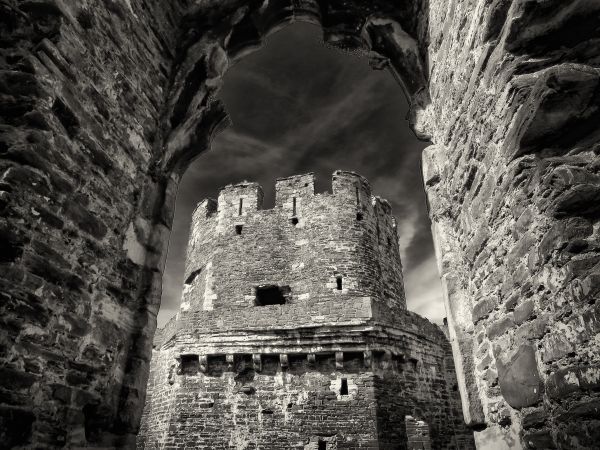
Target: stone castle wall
point(333, 366)
point(306, 242)
point(236, 402)
point(514, 205)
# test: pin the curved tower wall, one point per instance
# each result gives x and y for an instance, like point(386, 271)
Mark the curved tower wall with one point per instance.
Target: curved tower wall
point(306, 242)
point(320, 368)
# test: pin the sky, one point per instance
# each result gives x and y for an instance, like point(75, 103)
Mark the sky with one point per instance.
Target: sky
point(298, 106)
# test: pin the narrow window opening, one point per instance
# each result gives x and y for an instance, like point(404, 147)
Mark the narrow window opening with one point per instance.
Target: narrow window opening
point(389, 242)
point(344, 387)
point(338, 281)
point(241, 206)
point(357, 196)
point(322, 445)
point(190, 364)
point(294, 221)
point(359, 216)
point(238, 229)
point(192, 276)
point(271, 295)
point(294, 206)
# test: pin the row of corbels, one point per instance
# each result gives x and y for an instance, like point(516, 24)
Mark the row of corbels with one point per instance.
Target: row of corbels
point(285, 363)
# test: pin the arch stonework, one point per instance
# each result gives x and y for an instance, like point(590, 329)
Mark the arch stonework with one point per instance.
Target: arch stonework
point(104, 104)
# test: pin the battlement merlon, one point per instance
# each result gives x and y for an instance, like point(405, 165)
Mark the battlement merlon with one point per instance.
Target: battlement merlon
point(296, 186)
point(351, 187)
point(239, 200)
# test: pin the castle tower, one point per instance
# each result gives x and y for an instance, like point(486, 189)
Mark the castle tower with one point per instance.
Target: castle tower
point(293, 331)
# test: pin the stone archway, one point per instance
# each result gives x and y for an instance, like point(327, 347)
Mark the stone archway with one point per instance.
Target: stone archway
point(104, 106)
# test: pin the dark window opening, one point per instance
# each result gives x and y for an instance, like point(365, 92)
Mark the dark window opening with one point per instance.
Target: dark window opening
point(344, 387)
point(359, 216)
point(192, 276)
point(294, 206)
point(357, 196)
point(267, 411)
point(294, 221)
point(322, 445)
point(241, 206)
point(338, 281)
point(389, 242)
point(190, 364)
point(238, 229)
point(271, 295)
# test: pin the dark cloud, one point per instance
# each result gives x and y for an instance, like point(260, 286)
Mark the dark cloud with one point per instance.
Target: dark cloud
point(298, 106)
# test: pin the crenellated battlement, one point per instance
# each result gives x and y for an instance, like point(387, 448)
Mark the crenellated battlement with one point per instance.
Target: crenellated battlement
point(295, 197)
point(302, 251)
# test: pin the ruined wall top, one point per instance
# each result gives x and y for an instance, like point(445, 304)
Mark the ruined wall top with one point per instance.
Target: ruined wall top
point(312, 247)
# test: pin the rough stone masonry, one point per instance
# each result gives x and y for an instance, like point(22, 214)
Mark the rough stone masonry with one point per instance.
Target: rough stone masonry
point(293, 332)
point(104, 103)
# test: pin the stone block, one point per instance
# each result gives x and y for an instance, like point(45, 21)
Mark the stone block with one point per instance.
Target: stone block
point(561, 233)
point(524, 311)
point(483, 308)
point(519, 379)
point(85, 220)
point(587, 409)
point(562, 383)
point(499, 327)
point(541, 439)
point(534, 417)
point(556, 346)
point(532, 330)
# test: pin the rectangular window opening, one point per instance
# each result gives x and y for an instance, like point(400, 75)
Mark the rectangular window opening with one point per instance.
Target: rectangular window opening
point(344, 387)
point(338, 281)
point(241, 206)
point(322, 445)
point(190, 364)
point(294, 206)
point(271, 295)
point(238, 229)
point(357, 196)
point(359, 216)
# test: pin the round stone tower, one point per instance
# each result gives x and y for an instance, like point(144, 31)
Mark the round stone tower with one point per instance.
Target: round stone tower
point(293, 331)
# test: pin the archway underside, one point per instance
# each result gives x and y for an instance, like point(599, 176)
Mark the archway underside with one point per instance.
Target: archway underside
point(105, 105)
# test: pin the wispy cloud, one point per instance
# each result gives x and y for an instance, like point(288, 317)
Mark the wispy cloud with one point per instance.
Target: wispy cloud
point(423, 291)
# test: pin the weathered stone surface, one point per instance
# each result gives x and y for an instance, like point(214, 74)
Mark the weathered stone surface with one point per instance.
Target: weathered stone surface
point(534, 418)
point(524, 311)
point(541, 439)
point(519, 380)
point(582, 410)
point(499, 327)
point(483, 308)
point(569, 380)
point(309, 348)
point(100, 100)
